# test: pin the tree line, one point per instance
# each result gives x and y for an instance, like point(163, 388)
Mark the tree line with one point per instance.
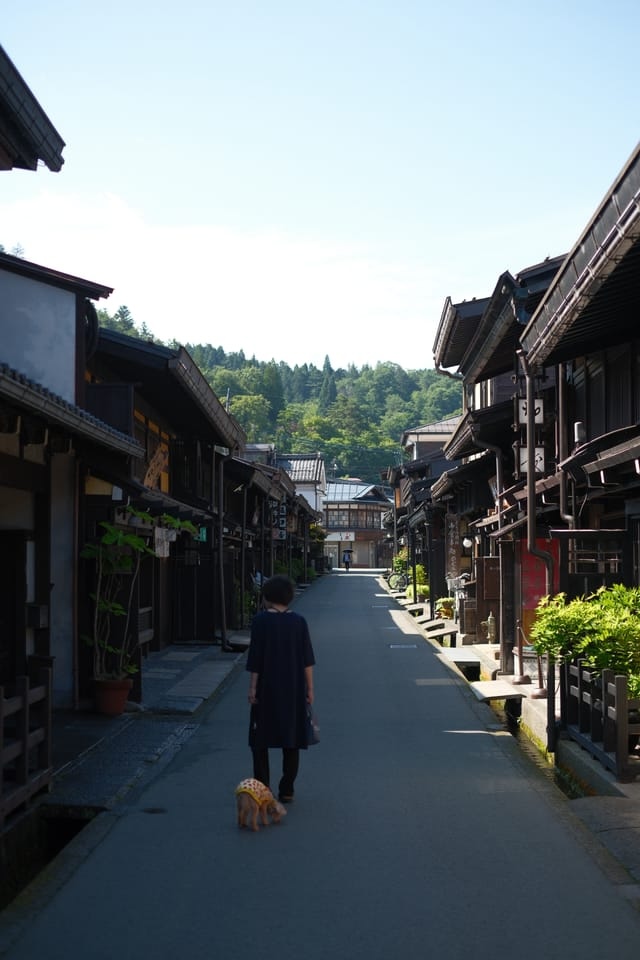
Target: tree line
point(355, 416)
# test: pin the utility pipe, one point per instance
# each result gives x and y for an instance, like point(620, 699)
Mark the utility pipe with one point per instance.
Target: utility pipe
point(563, 446)
point(497, 452)
point(533, 549)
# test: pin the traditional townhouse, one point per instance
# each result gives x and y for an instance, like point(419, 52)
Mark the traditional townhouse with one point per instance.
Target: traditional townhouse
point(550, 382)
point(354, 515)
point(415, 522)
point(482, 495)
point(579, 358)
point(308, 473)
point(158, 395)
point(297, 536)
point(48, 440)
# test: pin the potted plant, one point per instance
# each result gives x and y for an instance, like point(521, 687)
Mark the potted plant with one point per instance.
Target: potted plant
point(445, 607)
point(422, 585)
point(118, 555)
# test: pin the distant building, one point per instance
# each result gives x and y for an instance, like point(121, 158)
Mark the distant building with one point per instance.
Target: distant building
point(353, 520)
point(307, 470)
point(308, 473)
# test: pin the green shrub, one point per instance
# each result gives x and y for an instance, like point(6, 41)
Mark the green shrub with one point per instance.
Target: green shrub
point(421, 574)
point(445, 607)
point(602, 629)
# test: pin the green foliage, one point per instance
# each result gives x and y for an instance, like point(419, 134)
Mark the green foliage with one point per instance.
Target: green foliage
point(422, 591)
point(355, 417)
point(445, 607)
point(602, 629)
point(421, 574)
point(118, 555)
point(561, 628)
point(399, 562)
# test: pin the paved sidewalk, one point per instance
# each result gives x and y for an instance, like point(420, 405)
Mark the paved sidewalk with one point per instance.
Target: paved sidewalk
point(97, 759)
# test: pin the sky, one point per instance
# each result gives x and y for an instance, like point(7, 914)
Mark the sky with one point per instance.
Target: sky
point(300, 180)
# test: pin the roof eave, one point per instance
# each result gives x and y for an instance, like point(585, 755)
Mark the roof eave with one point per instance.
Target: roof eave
point(609, 235)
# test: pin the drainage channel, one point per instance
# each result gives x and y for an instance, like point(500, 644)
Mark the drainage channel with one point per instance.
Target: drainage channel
point(31, 842)
point(563, 781)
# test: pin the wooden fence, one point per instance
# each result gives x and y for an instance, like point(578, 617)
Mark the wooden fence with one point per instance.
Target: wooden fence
point(25, 740)
point(600, 716)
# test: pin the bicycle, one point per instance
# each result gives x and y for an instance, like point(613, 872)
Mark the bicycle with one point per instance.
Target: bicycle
point(398, 580)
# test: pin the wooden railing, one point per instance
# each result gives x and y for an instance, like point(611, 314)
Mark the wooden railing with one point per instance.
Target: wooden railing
point(25, 740)
point(602, 718)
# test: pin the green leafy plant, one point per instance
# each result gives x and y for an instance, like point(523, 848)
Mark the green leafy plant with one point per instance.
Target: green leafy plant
point(422, 591)
point(603, 630)
point(616, 645)
point(561, 629)
point(445, 607)
point(173, 523)
point(400, 560)
point(118, 554)
point(421, 575)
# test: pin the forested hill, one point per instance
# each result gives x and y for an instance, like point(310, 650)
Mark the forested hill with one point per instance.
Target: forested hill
point(354, 417)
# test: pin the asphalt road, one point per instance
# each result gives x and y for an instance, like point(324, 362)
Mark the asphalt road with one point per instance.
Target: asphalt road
point(418, 830)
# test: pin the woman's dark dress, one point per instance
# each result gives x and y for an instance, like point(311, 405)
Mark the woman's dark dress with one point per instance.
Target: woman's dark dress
point(280, 650)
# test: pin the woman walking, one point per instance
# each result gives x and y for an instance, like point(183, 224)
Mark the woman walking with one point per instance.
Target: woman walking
point(280, 663)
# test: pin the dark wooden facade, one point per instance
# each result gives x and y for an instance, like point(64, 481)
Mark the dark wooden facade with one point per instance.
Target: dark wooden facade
point(549, 377)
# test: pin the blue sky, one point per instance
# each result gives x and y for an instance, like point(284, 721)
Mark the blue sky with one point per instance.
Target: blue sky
point(298, 179)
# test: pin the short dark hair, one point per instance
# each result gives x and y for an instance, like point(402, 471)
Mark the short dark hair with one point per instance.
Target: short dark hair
point(279, 589)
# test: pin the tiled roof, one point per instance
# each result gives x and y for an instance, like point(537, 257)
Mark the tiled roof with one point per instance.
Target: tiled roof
point(28, 395)
point(345, 491)
point(26, 135)
point(302, 468)
point(446, 426)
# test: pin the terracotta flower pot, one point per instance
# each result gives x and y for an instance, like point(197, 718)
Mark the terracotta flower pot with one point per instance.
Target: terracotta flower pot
point(111, 696)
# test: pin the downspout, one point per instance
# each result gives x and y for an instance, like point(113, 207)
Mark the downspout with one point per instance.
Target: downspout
point(565, 515)
point(414, 579)
point(543, 555)
point(563, 446)
point(505, 657)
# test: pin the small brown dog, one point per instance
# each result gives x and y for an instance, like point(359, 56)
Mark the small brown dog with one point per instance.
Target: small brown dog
point(255, 800)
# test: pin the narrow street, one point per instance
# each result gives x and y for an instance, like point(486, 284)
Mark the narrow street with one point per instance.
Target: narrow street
point(418, 830)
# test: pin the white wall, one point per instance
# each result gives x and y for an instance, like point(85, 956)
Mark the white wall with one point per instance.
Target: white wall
point(37, 332)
